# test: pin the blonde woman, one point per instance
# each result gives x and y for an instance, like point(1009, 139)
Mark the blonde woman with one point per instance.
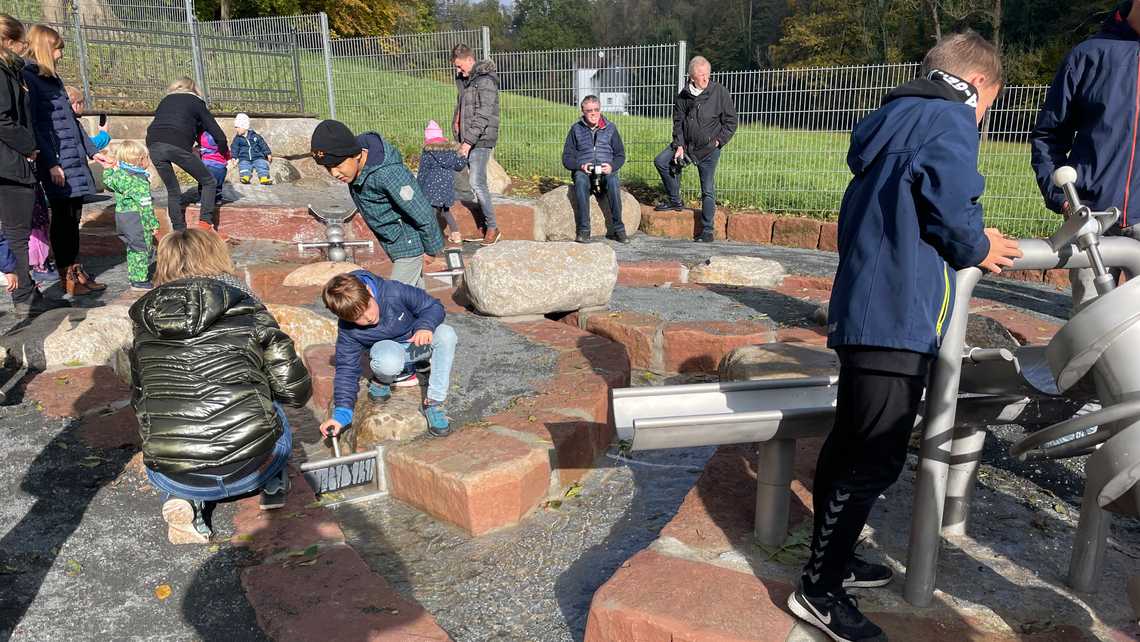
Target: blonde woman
point(178, 122)
point(211, 368)
point(64, 152)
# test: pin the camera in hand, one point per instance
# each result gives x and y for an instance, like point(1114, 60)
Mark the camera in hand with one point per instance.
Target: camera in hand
point(595, 172)
point(679, 163)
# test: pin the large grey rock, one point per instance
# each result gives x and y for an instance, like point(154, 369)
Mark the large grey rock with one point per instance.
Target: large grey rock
point(72, 337)
point(778, 361)
point(555, 215)
point(400, 417)
point(305, 327)
point(513, 278)
point(317, 273)
point(287, 137)
point(498, 181)
point(738, 270)
point(282, 171)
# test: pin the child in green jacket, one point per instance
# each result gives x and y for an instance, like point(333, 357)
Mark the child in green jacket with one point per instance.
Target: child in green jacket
point(127, 178)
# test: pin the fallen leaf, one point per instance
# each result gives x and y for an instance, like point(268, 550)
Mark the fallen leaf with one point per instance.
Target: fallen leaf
point(73, 568)
point(214, 548)
point(243, 538)
point(574, 490)
point(531, 418)
point(553, 504)
point(162, 591)
point(307, 562)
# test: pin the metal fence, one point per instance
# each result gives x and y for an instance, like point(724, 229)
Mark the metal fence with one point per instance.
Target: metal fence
point(788, 154)
point(396, 84)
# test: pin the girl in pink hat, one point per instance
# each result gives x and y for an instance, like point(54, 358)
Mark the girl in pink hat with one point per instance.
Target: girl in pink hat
point(436, 176)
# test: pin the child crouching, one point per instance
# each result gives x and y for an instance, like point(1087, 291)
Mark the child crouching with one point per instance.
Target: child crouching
point(399, 325)
point(127, 177)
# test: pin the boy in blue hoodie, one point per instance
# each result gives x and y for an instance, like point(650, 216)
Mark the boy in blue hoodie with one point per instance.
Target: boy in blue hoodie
point(910, 217)
point(398, 325)
point(385, 192)
point(1087, 122)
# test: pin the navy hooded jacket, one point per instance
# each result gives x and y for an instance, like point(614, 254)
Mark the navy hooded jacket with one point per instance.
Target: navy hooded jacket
point(910, 217)
point(59, 137)
point(403, 310)
point(250, 147)
point(1089, 121)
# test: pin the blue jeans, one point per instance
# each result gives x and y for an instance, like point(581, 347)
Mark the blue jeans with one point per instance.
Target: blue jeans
point(271, 475)
point(219, 173)
point(611, 187)
point(707, 170)
point(477, 162)
point(246, 167)
point(390, 358)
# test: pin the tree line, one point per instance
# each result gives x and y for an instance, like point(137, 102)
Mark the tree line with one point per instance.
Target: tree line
point(734, 34)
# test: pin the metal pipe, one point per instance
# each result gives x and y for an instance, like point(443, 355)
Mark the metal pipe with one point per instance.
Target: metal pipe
point(725, 386)
point(1089, 542)
point(1115, 251)
point(937, 443)
point(774, 469)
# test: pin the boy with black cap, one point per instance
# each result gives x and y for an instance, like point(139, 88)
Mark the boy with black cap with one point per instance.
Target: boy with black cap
point(910, 217)
point(385, 192)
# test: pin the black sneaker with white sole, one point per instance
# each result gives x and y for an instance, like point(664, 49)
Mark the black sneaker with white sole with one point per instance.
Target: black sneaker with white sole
point(837, 615)
point(275, 492)
point(863, 574)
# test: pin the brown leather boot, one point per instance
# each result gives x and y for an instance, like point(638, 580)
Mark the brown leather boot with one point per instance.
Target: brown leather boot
point(87, 280)
point(493, 234)
point(72, 285)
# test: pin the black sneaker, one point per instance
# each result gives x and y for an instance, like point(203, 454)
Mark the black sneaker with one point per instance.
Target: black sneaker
point(862, 574)
point(581, 238)
point(704, 237)
point(620, 237)
point(275, 492)
point(38, 305)
point(837, 615)
point(668, 206)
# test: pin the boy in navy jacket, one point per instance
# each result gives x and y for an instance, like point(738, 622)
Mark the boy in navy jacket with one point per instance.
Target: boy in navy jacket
point(398, 325)
point(1089, 121)
point(910, 217)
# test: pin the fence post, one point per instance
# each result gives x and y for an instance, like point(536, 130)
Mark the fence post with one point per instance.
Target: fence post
point(326, 41)
point(297, 72)
point(486, 43)
point(196, 51)
point(81, 47)
point(682, 63)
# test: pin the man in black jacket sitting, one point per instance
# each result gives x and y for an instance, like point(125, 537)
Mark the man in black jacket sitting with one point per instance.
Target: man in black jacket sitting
point(704, 120)
point(594, 153)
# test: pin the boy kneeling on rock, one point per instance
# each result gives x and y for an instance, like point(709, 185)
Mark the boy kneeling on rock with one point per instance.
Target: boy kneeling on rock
point(399, 325)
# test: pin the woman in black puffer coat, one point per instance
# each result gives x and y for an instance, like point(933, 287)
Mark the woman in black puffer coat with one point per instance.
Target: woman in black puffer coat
point(210, 368)
point(65, 150)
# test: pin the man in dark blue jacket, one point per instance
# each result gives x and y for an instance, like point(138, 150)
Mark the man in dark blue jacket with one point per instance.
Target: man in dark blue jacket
point(1090, 122)
point(398, 325)
point(910, 217)
point(594, 152)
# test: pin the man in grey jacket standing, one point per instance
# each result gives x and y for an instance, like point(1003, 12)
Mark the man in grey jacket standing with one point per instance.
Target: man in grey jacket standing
point(476, 126)
point(704, 120)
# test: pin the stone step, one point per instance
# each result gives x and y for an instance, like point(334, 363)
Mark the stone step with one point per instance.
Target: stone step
point(516, 218)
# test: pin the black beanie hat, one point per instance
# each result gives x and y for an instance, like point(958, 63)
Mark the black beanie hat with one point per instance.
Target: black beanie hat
point(332, 143)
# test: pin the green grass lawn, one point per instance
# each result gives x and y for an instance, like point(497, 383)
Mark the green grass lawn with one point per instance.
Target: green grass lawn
point(777, 170)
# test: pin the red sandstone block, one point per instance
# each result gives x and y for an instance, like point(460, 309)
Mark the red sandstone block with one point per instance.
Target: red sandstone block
point(658, 597)
point(699, 346)
point(638, 332)
point(1057, 278)
point(1028, 330)
point(685, 224)
point(337, 597)
point(295, 526)
point(475, 479)
point(1031, 276)
point(99, 241)
point(110, 429)
point(515, 220)
point(559, 336)
point(575, 441)
point(816, 335)
point(267, 282)
point(796, 232)
point(829, 237)
point(750, 227)
point(652, 273)
point(319, 359)
point(75, 392)
point(604, 357)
